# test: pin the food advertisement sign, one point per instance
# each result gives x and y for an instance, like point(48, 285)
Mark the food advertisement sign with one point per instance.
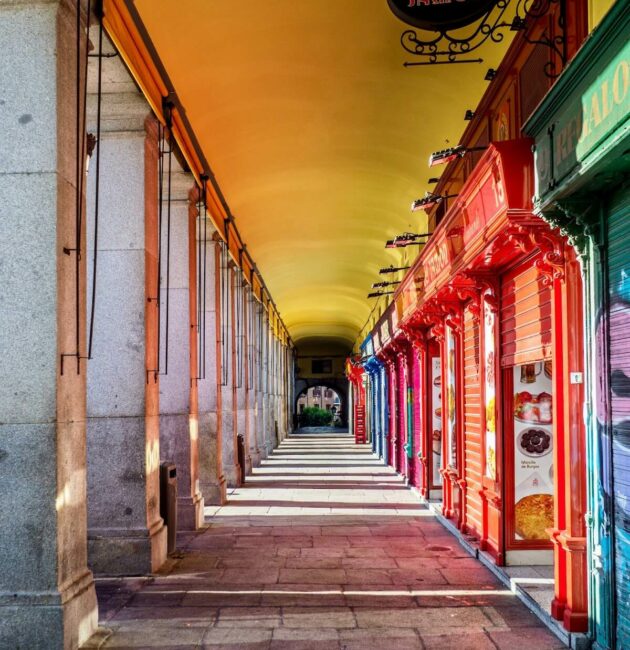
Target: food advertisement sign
point(451, 415)
point(489, 324)
point(436, 419)
point(533, 451)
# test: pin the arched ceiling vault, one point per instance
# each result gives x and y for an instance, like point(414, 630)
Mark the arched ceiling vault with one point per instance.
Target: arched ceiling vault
point(317, 134)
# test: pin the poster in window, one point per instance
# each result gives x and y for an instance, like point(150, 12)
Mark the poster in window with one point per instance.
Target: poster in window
point(489, 322)
point(451, 414)
point(533, 451)
point(436, 419)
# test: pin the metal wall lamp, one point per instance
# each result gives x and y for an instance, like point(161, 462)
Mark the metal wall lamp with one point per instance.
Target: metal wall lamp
point(378, 294)
point(379, 285)
point(429, 200)
point(393, 269)
point(407, 239)
point(447, 155)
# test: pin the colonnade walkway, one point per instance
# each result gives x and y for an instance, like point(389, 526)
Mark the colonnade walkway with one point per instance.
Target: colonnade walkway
point(324, 547)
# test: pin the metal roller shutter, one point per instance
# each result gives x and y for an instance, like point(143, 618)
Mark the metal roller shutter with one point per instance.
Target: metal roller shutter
point(472, 422)
point(619, 328)
point(526, 314)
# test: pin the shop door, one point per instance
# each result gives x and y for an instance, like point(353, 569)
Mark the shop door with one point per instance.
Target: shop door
point(434, 396)
point(619, 382)
point(526, 344)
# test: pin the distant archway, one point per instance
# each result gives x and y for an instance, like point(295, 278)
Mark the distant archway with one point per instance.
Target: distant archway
point(336, 387)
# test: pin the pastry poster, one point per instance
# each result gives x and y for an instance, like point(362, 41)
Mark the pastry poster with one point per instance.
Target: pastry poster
point(489, 321)
point(436, 419)
point(451, 417)
point(533, 451)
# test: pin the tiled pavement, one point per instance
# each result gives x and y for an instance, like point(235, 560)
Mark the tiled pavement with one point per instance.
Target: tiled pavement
point(323, 548)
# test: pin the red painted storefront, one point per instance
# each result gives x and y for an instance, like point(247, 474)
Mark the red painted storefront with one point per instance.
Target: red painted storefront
point(485, 338)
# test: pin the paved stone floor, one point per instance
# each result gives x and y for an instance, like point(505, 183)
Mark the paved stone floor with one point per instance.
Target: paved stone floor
point(323, 548)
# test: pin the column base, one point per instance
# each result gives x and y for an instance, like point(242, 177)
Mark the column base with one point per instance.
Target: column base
point(255, 457)
point(557, 609)
point(574, 622)
point(190, 512)
point(214, 494)
point(128, 551)
point(58, 619)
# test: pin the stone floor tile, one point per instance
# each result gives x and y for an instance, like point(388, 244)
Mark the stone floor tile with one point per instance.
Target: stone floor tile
point(379, 639)
point(237, 638)
point(368, 563)
point(539, 638)
point(470, 618)
point(256, 617)
point(367, 577)
point(458, 641)
point(313, 576)
point(305, 639)
point(318, 617)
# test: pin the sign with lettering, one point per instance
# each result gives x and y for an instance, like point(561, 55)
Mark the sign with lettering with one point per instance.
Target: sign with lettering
point(599, 106)
point(440, 15)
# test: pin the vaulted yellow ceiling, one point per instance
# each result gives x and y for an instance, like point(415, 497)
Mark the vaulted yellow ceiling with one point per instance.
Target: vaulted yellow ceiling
point(318, 136)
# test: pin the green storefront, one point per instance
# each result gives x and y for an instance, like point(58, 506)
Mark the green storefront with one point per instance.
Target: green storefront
point(582, 150)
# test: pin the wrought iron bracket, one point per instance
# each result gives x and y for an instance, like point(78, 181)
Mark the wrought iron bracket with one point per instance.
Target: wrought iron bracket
point(449, 46)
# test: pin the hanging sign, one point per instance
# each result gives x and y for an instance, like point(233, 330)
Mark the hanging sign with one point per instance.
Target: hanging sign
point(440, 15)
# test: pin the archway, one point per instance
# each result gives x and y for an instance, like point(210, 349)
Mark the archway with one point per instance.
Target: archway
point(329, 389)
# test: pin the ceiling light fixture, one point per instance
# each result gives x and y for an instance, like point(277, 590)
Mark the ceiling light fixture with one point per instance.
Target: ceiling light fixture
point(429, 200)
point(393, 269)
point(447, 155)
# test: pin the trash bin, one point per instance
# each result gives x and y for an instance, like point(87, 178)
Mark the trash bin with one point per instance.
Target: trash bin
point(240, 449)
point(168, 502)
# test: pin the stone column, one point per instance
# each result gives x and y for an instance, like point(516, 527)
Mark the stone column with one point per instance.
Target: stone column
point(240, 364)
point(228, 387)
point(211, 479)
point(178, 386)
point(126, 535)
point(251, 377)
point(260, 381)
point(47, 597)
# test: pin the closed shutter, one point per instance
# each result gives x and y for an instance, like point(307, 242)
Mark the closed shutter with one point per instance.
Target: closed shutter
point(525, 316)
point(472, 423)
point(619, 327)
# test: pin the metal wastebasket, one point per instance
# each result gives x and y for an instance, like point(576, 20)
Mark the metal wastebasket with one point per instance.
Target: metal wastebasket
point(168, 502)
point(240, 448)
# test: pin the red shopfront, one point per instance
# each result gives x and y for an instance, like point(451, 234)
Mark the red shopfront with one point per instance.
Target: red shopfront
point(499, 294)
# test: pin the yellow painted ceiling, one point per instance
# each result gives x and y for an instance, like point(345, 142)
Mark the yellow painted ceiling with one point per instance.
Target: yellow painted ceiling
point(318, 136)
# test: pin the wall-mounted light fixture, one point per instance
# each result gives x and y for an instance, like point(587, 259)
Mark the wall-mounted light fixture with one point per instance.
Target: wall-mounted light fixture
point(429, 200)
point(407, 239)
point(491, 74)
point(432, 180)
point(380, 285)
point(469, 114)
point(378, 294)
point(393, 269)
point(447, 155)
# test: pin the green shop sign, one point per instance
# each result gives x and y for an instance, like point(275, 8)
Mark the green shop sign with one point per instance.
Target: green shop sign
point(584, 116)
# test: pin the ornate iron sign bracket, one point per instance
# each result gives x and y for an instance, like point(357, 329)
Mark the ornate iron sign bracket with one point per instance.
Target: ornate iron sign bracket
point(446, 45)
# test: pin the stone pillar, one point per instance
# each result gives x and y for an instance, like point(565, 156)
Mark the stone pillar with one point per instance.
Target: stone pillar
point(211, 479)
point(126, 535)
point(228, 387)
point(178, 387)
point(251, 376)
point(240, 364)
point(260, 381)
point(47, 597)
